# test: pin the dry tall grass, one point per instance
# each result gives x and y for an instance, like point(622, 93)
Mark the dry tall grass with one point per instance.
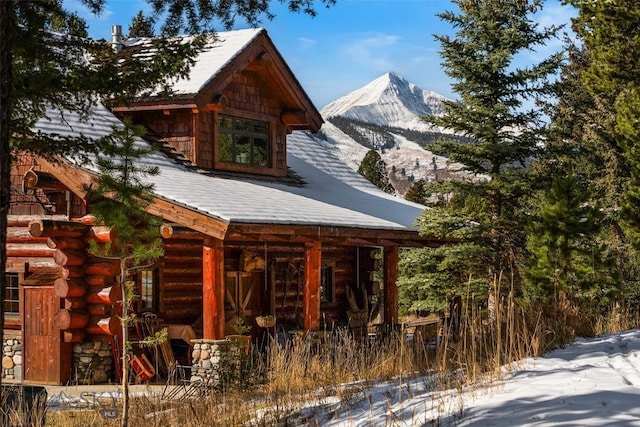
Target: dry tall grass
point(275, 385)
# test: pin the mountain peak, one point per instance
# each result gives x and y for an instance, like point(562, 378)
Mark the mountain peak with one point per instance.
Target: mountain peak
point(394, 77)
point(389, 100)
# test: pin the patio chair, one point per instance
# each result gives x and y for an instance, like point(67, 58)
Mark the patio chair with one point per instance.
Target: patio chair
point(181, 384)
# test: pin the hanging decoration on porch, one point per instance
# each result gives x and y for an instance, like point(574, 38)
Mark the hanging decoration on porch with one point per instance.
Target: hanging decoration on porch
point(268, 320)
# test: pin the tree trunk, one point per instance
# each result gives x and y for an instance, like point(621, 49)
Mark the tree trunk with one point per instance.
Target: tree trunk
point(125, 339)
point(6, 77)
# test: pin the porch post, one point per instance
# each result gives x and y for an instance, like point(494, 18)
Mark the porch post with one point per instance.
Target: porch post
point(311, 305)
point(390, 285)
point(213, 289)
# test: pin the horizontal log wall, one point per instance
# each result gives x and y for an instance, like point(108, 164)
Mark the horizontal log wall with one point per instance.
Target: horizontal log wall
point(181, 283)
point(85, 284)
point(288, 263)
point(27, 253)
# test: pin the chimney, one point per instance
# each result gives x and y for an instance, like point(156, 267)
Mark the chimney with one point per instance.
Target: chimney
point(116, 37)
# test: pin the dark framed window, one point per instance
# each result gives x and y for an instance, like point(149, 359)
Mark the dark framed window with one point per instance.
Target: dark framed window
point(12, 293)
point(149, 289)
point(243, 141)
point(327, 280)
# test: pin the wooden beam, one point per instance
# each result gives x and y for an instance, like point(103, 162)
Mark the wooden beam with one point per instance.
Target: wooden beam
point(109, 295)
point(338, 235)
point(33, 179)
point(390, 285)
point(293, 117)
point(311, 303)
point(217, 104)
point(24, 220)
point(76, 180)
point(72, 178)
point(176, 231)
point(101, 234)
point(262, 61)
point(70, 319)
point(69, 288)
point(196, 221)
point(38, 250)
point(52, 228)
point(355, 241)
point(213, 289)
point(273, 238)
point(151, 107)
point(195, 137)
point(387, 242)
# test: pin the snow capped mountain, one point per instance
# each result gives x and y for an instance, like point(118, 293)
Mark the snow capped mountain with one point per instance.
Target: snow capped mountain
point(389, 100)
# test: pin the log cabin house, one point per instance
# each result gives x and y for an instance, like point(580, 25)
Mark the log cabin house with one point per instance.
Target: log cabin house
point(261, 221)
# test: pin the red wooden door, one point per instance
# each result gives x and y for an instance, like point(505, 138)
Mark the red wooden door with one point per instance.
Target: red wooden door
point(46, 360)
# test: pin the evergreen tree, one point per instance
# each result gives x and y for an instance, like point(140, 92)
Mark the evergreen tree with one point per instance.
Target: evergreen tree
point(374, 169)
point(430, 277)
point(491, 113)
point(580, 140)
point(119, 198)
point(609, 31)
point(418, 192)
point(461, 265)
point(566, 259)
point(141, 26)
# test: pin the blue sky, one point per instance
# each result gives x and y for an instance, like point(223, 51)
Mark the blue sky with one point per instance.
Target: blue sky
point(350, 44)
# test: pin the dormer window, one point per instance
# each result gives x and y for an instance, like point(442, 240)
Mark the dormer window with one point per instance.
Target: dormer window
point(243, 141)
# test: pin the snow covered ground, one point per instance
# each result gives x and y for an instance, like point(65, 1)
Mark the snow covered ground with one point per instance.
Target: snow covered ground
point(592, 382)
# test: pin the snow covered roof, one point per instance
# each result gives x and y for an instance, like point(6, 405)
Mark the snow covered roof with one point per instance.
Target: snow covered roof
point(216, 55)
point(333, 194)
point(225, 55)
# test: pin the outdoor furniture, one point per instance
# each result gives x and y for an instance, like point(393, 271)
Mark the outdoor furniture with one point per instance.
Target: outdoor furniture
point(182, 385)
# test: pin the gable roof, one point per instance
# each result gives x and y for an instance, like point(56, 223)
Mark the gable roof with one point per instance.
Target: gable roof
point(224, 55)
point(333, 195)
point(217, 54)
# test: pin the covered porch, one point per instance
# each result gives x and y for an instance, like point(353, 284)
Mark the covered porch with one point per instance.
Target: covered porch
point(297, 277)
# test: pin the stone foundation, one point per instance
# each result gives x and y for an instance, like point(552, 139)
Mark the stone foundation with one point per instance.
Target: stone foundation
point(214, 361)
point(12, 357)
point(93, 362)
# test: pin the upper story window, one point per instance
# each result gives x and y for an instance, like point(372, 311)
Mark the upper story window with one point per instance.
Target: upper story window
point(12, 293)
point(243, 141)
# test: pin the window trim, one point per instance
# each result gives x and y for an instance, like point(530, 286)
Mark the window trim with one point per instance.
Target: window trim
point(328, 264)
point(19, 278)
point(155, 297)
point(274, 128)
point(251, 134)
